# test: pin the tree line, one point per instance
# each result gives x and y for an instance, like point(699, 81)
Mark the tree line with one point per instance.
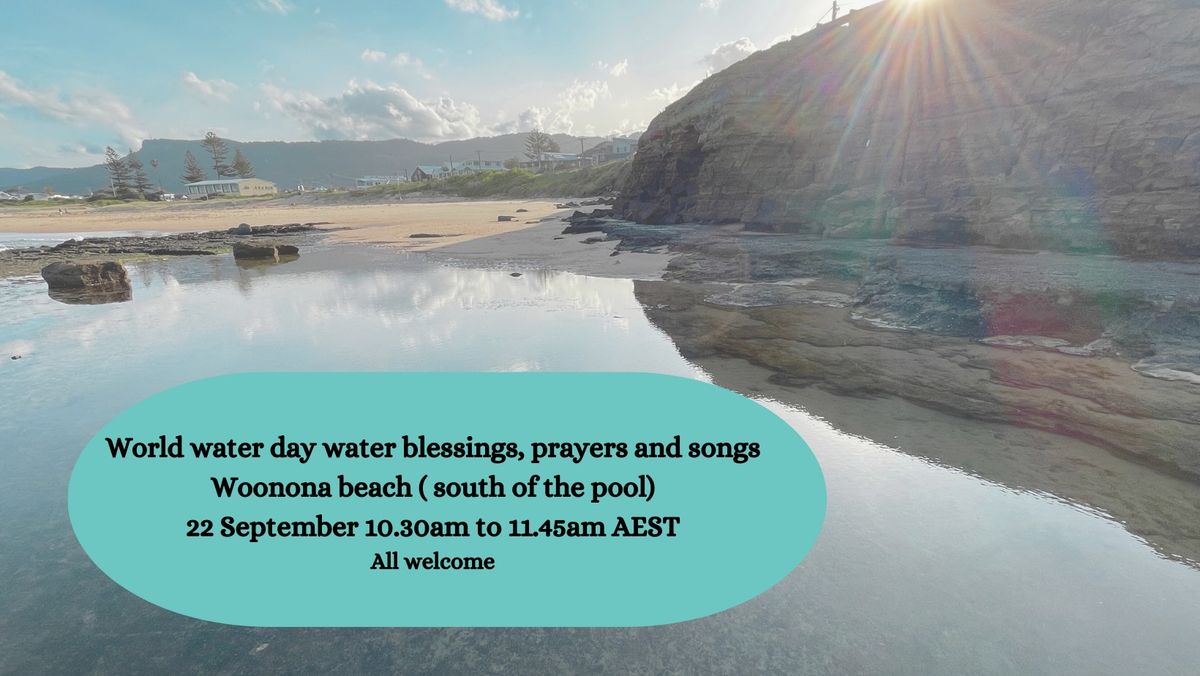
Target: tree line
point(127, 175)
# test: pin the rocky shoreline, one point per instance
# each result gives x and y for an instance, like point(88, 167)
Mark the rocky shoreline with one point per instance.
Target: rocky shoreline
point(1097, 348)
point(30, 261)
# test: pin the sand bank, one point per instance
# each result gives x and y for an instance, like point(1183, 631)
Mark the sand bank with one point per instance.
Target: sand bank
point(377, 223)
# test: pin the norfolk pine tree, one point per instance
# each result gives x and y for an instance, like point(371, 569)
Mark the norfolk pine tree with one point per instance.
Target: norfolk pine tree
point(241, 165)
point(192, 173)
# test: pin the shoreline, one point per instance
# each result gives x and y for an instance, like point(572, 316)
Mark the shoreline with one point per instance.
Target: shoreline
point(387, 222)
point(803, 343)
point(164, 233)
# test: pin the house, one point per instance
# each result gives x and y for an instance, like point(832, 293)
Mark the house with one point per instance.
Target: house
point(618, 148)
point(430, 172)
point(553, 161)
point(371, 181)
point(240, 187)
point(623, 148)
point(471, 166)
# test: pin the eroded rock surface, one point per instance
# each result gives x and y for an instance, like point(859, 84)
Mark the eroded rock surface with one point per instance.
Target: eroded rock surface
point(1042, 124)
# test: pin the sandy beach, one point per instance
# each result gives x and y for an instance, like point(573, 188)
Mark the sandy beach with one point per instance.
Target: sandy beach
point(390, 223)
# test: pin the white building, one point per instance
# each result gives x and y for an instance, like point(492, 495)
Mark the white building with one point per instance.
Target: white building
point(557, 161)
point(623, 147)
point(470, 166)
point(239, 187)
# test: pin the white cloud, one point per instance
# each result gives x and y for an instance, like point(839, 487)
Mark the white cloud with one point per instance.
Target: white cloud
point(96, 108)
point(628, 128)
point(560, 117)
point(614, 69)
point(668, 94)
point(583, 96)
point(579, 97)
point(370, 111)
point(373, 55)
point(714, 5)
point(491, 9)
point(727, 54)
point(408, 62)
point(276, 6)
point(213, 89)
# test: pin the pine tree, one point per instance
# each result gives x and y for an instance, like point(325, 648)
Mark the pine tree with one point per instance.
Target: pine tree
point(192, 173)
point(538, 144)
point(216, 148)
point(241, 165)
point(118, 172)
point(138, 171)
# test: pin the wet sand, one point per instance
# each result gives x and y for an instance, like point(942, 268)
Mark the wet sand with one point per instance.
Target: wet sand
point(543, 246)
point(390, 223)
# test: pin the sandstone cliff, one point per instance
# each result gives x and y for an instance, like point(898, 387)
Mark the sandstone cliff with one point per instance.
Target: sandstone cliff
point(1049, 124)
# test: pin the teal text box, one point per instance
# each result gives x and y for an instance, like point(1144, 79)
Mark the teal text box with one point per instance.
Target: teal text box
point(742, 525)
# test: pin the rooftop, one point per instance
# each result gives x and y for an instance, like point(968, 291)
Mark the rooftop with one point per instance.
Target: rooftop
point(226, 180)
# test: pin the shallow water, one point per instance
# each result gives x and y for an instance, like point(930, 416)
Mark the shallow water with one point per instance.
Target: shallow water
point(23, 240)
point(920, 569)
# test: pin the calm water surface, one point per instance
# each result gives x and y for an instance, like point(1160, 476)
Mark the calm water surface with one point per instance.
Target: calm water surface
point(21, 240)
point(920, 569)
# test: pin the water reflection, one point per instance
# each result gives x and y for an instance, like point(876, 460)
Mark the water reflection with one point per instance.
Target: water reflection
point(91, 296)
point(920, 569)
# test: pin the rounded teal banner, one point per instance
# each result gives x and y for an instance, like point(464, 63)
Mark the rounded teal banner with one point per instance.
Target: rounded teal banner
point(447, 499)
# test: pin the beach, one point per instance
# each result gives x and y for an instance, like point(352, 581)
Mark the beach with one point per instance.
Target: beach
point(379, 223)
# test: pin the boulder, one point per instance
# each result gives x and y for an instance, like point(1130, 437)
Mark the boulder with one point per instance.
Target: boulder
point(287, 250)
point(107, 276)
point(505, 219)
point(253, 252)
point(242, 229)
point(584, 227)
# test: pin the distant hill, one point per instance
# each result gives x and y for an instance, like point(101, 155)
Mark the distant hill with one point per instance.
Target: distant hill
point(288, 164)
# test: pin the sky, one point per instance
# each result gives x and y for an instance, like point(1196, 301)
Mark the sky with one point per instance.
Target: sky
point(81, 75)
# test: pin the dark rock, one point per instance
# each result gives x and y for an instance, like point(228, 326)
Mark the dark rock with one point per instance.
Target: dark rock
point(584, 227)
point(593, 240)
point(91, 296)
point(522, 211)
point(287, 250)
point(505, 219)
point(253, 252)
point(76, 276)
point(242, 229)
point(15, 357)
point(514, 274)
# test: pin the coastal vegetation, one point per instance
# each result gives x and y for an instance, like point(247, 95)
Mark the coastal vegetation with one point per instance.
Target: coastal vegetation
point(590, 181)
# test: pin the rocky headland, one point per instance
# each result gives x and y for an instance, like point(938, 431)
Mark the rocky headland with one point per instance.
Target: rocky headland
point(987, 210)
point(1040, 124)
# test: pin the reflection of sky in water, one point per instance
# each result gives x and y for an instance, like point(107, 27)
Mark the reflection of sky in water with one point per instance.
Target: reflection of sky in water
point(920, 569)
point(21, 240)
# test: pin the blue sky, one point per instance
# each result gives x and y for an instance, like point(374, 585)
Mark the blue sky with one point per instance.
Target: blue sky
point(78, 76)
